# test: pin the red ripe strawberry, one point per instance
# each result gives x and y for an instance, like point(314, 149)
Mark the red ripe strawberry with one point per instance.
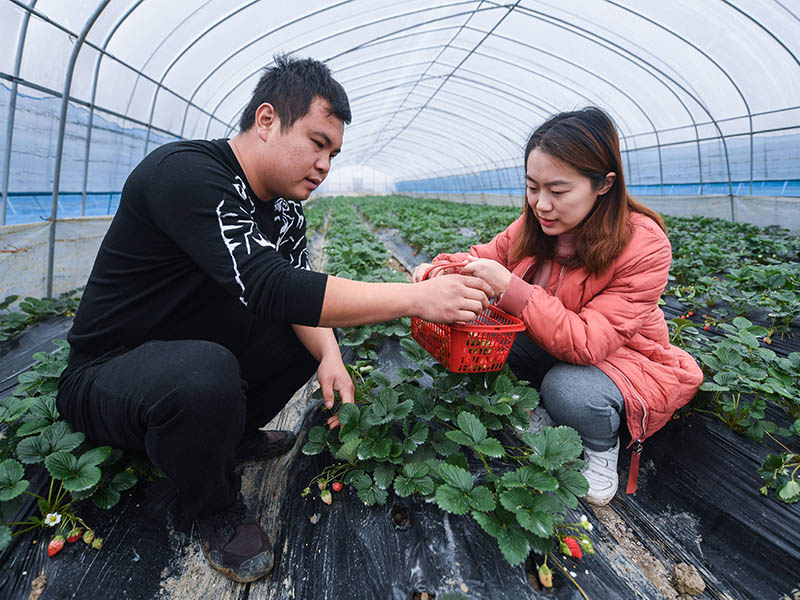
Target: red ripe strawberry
point(690, 313)
point(707, 327)
point(574, 547)
point(74, 534)
point(55, 545)
point(336, 486)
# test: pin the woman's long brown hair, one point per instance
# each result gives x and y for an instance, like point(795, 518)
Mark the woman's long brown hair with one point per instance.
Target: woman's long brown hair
point(587, 141)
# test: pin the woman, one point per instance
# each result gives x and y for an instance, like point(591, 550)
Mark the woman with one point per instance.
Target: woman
point(584, 268)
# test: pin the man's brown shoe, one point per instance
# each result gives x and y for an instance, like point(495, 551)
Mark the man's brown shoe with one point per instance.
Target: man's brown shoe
point(258, 444)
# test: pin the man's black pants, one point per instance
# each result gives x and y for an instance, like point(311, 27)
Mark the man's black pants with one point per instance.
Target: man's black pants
point(185, 403)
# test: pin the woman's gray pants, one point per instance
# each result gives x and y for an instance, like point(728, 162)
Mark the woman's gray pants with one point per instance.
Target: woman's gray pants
point(582, 397)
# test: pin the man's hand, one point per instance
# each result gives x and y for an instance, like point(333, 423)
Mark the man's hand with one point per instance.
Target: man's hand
point(332, 375)
point(451, 299)
point(492, 272)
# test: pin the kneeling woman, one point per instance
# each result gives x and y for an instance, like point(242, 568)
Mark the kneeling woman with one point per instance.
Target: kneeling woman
point(584, 267)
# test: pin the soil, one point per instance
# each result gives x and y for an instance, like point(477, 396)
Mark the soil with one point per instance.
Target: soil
point(688, 580)
point(635, 551)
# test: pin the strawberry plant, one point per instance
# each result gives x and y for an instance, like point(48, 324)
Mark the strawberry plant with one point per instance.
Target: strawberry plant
point(445, 443)
point(32, 310)
point(36, 436)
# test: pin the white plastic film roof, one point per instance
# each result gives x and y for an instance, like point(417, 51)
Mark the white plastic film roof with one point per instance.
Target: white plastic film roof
point(437, 88)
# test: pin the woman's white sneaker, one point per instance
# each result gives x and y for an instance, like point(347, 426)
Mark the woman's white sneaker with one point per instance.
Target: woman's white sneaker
point(601, 473)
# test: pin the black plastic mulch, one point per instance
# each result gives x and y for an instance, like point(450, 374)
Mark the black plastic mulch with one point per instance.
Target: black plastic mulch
point(697, 503)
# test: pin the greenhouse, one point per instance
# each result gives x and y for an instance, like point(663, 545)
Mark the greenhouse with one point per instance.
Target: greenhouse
point(414, 300)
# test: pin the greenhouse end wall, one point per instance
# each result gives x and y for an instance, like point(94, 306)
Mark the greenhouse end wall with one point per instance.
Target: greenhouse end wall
point(24, 255)
point(763, 211)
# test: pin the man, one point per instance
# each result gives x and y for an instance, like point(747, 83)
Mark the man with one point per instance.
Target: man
point(200, 318)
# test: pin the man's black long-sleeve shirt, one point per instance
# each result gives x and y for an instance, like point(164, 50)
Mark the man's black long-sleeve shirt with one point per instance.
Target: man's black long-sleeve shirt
point(190, 239)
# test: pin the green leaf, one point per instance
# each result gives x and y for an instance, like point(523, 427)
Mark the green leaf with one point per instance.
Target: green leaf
point(64, 466)
point(105, 497)
point(401, 410)
point(572, 485)
point(45, 407)
point(489, 522)
point(369, 493)
point(490, 447)
point(414, 470)
point(457, 477)
point(384, 475)
point(425, 485)
point(382, 408)
point(403, 486)
point(498, 409)
point(348, 451)
point(472, 426)
point(513, 544)
point(316, 441)
point(33, 425)
point(61, 438)
point(482, 499)
point(349, 414)
point(32, 450)
point(553, 446)
point(537, 522)
point(459, 437)
point(444, 445)
point(94, 457)
point(532, 477)
point(123, 481)
point(5, 537)
point(452, 500)
point(445, 412)
point(757, 430)
point(790, 492)
point(11, 482)
point(13, 408)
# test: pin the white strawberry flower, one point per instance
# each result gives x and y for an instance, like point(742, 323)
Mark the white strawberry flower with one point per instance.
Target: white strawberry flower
point(52, 519)
point(585, 523)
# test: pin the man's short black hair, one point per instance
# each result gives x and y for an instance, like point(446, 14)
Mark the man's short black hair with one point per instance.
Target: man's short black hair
point(290, 85)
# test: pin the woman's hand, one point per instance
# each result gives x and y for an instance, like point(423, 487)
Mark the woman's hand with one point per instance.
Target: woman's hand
point(492, 272)
point(420, 270)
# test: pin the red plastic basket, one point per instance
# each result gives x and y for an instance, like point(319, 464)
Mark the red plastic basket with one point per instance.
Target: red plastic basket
point(479, 346)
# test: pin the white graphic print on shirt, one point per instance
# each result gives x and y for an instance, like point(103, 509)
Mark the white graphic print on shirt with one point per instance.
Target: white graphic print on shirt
point(238, 229)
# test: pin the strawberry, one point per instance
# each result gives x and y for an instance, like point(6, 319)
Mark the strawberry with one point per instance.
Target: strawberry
point(707, 327)
point(690, 313)
point(573, 546)
point(336, 486)
point(74, 535)
point(545, 576)
point(55, 545)
point(326, 497)
point(97, 543)
point(88, 536)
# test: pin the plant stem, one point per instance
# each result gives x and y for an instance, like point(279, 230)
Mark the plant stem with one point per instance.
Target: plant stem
point(571, 578)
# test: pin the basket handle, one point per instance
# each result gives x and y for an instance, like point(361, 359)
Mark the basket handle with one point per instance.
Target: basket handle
point(436, 268)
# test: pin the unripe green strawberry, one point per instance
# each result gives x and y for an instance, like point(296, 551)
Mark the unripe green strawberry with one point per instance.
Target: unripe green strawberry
point(545, 576)
point(55, 545)
point(97, 543)
point(326, 496)
point(586, 544)
point(88, 536)
point(74, 534)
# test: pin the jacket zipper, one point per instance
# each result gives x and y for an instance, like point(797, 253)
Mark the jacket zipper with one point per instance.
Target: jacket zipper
point(639, 400)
